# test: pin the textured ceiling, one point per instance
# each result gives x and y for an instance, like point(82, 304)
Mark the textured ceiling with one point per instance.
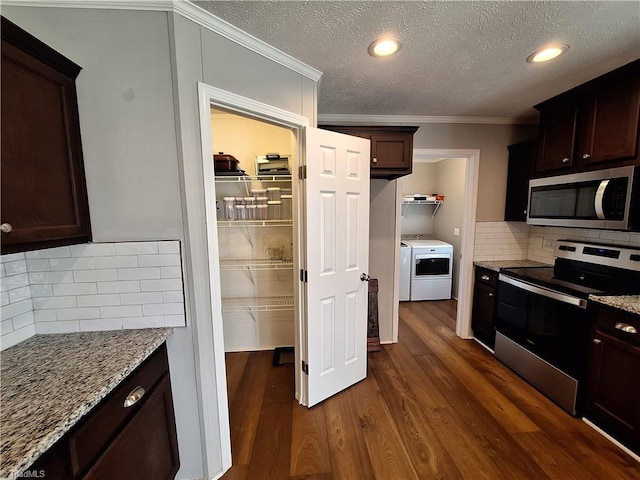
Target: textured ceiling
point(457, 58)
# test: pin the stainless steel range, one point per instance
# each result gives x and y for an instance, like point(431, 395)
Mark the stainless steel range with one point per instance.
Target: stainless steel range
point(543, 325)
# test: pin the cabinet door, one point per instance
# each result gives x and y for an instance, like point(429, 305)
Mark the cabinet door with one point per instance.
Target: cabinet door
point(613, 391)
point(43, 185)
point(610, 129)
point(147, 447)
point(391, 152)
point(521, 170)
point(483, 314)
point(557, 137)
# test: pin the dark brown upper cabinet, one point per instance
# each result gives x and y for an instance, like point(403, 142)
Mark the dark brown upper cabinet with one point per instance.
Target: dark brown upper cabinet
point(592, 126)
point(44, 198)
point(391, 148)
point(522, 158)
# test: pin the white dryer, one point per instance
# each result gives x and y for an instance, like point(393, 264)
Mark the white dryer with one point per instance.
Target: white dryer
point(431, 266)
point(405, 272)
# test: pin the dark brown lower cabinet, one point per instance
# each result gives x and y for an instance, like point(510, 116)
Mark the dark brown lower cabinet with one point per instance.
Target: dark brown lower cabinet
point(483, 316)
point(613, 390)
point(115, 441)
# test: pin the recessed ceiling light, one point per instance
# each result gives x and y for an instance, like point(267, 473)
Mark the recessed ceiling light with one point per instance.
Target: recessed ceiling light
point(547, 53)
point(383, 47)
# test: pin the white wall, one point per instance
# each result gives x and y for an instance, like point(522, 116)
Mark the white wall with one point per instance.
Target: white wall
point(418, 219)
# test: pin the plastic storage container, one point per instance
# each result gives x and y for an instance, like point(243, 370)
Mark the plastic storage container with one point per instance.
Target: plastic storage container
point(250, 212)
point(241, 214)
point(286, 200)
point(229, 208)
point(262, 212)
point(275, 209)
point(273, 194)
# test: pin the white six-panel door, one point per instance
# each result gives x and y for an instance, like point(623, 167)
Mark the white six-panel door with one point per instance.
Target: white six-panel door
point(337, 255)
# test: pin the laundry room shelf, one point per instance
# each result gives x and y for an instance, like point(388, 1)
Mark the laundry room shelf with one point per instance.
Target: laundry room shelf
point(437, 204)
point(247, 178)
point(254, 223)
point(256, 264)
point(258, 304)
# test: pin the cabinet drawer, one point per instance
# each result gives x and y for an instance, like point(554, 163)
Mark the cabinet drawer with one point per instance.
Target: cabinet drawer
point(107, 419)
point(618, 324)
point(487, 277)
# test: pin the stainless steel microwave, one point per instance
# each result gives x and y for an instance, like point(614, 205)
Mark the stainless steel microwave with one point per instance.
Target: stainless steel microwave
point(605, 199)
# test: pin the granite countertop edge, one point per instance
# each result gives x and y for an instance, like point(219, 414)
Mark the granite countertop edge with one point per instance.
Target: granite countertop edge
point(12, 467)
point(626, 303)
point(497, 265)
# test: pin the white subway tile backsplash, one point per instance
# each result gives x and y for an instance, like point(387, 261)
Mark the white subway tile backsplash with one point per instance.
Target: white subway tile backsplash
point(171, 272)
point(14, 268)
point(38, 265)
point(172, 246)
point(100, 324)
point(58, 264)
point(174, 320)
point(78, 313)
point(58, 252)
point(67, 326)
point(136, 248)
point(163, 309)
point(44, 303)
point(160, 285)
point(15, 309)
point(75, 289)
point(142, 322)
point(90, 287)
point(116, 262)
point(45, 315)
point(19, 294)
point(105, 300)
point(160, 260)
point(106, 275)
point(93, 250)
point(121, 311)
point(50, 277)
point(141, 298)
point(146, 273)
point(119, 287)
point(23, 320)
point(12, 257)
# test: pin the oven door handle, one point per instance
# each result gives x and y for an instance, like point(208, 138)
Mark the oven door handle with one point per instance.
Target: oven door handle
point(545, 292)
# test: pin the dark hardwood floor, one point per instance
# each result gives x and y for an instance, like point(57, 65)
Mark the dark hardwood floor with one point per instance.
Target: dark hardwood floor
point(432, 406)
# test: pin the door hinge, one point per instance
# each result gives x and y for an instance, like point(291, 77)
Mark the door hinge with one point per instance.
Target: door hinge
point(305, 367)
point(302, 172)
point(303, 276)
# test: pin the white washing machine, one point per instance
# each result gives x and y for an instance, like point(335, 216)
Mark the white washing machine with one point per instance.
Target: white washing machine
point(431, 266)
point(405, 272)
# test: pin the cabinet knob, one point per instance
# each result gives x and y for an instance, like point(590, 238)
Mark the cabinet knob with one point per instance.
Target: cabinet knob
point(565, 160)
point(484, 277)
point(6, 228)
point(597, 341)
point(626, 328)
point(374, 160)
point(524, 211)
point(586, 155)
point(491, 294)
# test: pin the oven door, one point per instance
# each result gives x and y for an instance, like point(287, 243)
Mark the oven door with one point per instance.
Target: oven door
point(429, 265)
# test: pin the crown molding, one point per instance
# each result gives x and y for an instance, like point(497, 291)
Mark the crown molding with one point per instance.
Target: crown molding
point(191, 12)
point(332, 119)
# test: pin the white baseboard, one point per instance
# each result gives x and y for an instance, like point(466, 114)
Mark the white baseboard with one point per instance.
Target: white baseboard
point(612, 440)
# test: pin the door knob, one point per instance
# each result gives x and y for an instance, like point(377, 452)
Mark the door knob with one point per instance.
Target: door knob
point(364, 277)
point(6, 228)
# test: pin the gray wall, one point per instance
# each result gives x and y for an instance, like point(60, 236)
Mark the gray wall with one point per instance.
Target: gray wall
point(492, 140)
point(140, 127)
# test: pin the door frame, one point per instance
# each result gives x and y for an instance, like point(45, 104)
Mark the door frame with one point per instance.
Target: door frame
point(210, 342)
point(465, 274)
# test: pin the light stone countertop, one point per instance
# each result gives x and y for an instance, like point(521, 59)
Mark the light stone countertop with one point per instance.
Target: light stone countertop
point(626, 303)
point(497, 265)
point(49, 382)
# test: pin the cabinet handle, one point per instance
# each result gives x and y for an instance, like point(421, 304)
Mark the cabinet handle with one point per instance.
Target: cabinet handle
point(597, 341)
point(565, 160)
point(134, 397)
point(374, 159)
point(484, 277)
point(626, 328)
point(586, 155)
point(6, 228)
point(491, 294)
